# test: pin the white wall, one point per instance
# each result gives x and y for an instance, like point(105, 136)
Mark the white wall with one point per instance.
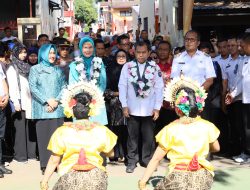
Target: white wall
point(168, 20)
point(49, 21)
point(147, 10)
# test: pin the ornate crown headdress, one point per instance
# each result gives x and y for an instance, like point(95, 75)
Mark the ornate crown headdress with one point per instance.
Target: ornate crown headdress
point(180, 99)
point(68, 101)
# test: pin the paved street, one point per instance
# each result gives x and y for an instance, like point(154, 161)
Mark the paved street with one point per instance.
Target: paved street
point(229, 175)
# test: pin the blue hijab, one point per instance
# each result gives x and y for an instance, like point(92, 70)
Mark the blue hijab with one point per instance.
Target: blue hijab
point(43, 54)
point(87, 60)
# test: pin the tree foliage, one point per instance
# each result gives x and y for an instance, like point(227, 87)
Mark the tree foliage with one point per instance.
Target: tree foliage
point(85, 11)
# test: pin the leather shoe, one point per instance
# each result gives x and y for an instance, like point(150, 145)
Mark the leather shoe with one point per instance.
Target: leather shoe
point(130, 169)
point(5, 170)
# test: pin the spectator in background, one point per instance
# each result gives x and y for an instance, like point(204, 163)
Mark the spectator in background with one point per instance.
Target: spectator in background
point(60, 39)
point(100, 47)
point(154, 57)
point(8, 35)
point(25, 134)
point(42, 39)
point(117, 122)
point(64, 58)
point(32, 56)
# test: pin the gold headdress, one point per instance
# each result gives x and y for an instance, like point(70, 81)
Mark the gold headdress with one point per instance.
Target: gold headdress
point(171, 89)
point(68, 101)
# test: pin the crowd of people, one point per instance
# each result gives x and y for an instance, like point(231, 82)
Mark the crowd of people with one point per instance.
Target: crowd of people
point(35, 123)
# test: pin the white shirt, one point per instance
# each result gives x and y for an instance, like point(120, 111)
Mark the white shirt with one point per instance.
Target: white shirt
point(2, 77)
point(221, 61)
point(140, 106)
point(243, 82)
point(199, 67)
point(6, 38)
point(15, 95)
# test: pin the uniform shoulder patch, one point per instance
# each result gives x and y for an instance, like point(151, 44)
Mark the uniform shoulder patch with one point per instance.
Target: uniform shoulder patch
point(177, 55)
point(207, 55)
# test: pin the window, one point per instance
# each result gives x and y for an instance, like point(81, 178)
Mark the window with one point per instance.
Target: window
point(126, 13)
point(145, 23)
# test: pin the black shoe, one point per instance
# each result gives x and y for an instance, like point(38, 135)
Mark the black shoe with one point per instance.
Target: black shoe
point(1, 174)
point(43, 170)
point(130, 169)
point(5, 170)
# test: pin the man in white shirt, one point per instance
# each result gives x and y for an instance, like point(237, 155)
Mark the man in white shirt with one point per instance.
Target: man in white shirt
point(243, 83)
point(141, 95)
point(230, 75)
point(8, 35)
point(193, 63)
point(4, 98)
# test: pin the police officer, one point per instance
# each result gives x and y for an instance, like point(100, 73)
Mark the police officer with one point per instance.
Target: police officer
point(141, 95)
point(193, 63)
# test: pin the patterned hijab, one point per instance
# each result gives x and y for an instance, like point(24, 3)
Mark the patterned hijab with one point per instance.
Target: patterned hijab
point(87, 60)
point(22, 66)
point(43, 54)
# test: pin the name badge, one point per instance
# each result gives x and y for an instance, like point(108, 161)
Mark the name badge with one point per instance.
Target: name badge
point(181, 63)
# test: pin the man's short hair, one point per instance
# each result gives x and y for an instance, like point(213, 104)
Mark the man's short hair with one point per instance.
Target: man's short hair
point(246, 38)
point(231, 37)
point(196, 32)
point(165, 42)
point(142, 43)
point(6, 28)
point(61, 28)
point(121, 37)
point(42, 35)
point(99, 41)
point(222, 40)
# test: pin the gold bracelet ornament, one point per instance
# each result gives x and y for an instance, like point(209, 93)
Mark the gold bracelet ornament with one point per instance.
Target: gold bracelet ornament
point(44, 186)
point(141, 185)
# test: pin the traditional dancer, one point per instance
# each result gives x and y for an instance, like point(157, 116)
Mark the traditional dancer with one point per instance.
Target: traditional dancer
point(80, 143)
point(186, 141)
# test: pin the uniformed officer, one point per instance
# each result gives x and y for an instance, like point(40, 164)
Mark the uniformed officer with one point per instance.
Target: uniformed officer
point(141, 95)
point(243, 87)
point(230, 73)
point(194, 63)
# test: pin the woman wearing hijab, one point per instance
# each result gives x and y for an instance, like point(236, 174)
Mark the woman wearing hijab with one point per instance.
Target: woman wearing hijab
point(46, 84)
point(117, 122)
point(32, 56)
point(17, 76)
point(89, 68)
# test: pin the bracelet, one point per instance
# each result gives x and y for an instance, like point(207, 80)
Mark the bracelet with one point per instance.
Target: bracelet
point(141, 185)
point(44, 186)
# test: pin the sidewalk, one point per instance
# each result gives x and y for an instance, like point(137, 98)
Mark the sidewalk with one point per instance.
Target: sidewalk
point(229, 176)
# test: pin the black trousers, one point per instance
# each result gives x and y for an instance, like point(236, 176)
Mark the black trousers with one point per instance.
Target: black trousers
point(246, 121)
point(140, 127)
point(166, 116)
point(2, 131)
point(236, 129)
point(24, 137)
point(44, 130)
point(120, 148)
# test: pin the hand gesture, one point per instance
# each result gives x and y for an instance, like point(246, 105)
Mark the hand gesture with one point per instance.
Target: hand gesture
point(125, 112)
point(155, 114)
point(228, 99)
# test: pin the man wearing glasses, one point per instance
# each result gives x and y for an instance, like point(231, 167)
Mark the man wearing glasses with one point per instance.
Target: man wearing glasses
point(193, 63)
point(230, 75)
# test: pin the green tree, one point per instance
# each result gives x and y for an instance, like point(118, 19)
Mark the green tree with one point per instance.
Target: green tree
point(85, 11)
